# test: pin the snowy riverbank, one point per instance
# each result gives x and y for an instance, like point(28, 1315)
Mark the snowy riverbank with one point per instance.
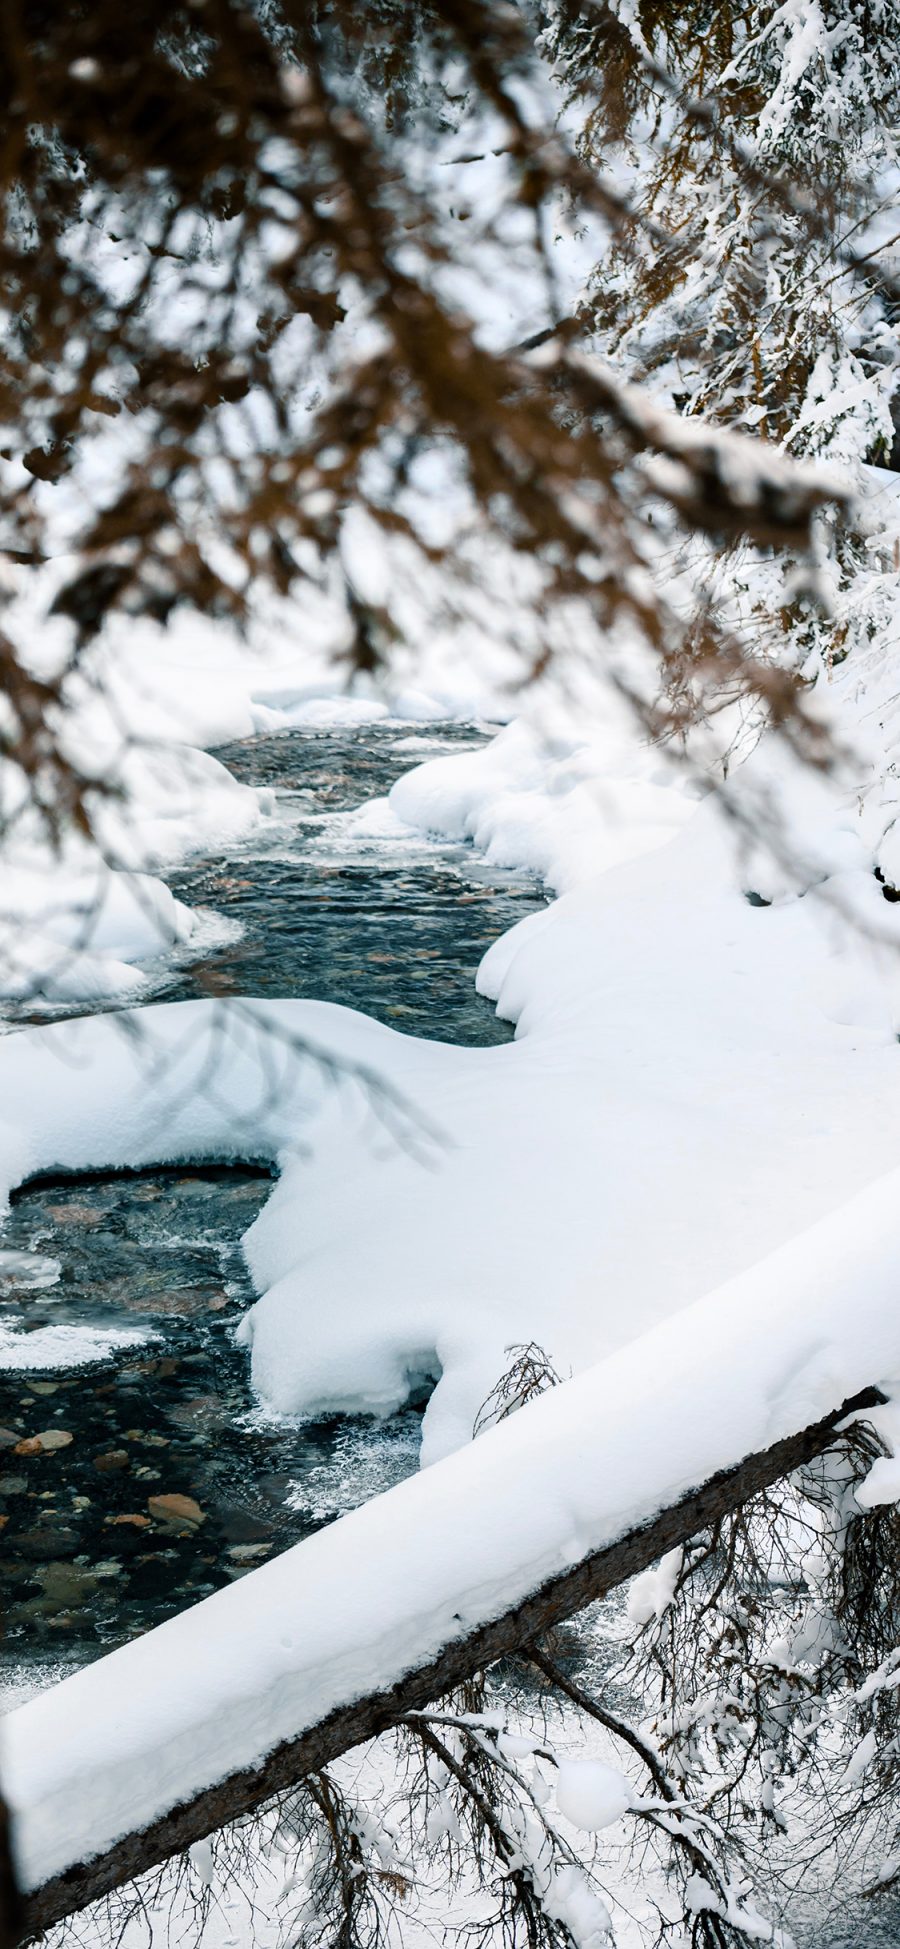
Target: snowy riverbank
point(82, 922)
point(705, 1066)
point(696, 1076)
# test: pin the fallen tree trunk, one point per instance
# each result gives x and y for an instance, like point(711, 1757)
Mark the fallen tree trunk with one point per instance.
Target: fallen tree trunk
point(557, 1599)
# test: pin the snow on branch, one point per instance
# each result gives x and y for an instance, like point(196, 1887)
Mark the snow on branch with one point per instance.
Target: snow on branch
point(725, 482)
point(361, 1718)
point(167, 1739)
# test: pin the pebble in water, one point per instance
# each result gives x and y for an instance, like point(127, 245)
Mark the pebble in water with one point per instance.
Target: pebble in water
point(161, 1456)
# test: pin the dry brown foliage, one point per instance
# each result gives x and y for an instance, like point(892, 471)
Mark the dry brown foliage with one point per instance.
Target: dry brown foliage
point(195, 197)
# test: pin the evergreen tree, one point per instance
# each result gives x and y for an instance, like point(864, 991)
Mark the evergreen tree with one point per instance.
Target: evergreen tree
point(759, 285)
point(234, 282)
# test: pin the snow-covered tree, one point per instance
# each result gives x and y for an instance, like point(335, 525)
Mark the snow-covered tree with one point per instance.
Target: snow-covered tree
point(256, 280)
point(759, 285)
point(249, 281)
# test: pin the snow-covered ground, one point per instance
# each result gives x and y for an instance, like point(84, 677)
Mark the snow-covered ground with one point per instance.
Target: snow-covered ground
point(378, 1593)
point(681, 1180)
point(697, 1080)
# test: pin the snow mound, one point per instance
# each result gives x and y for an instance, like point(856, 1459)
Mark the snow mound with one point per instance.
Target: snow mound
point(362, 1602)
point(590, 1794)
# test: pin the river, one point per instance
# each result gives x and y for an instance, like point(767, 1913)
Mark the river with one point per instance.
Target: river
point(317, 903)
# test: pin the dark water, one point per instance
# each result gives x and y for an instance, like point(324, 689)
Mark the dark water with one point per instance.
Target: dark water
point(89, 1557)
point(88, 1554)
point(394, 925)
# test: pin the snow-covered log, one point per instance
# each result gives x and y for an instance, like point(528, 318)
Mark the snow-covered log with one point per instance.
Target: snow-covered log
point(361, 1718)
point(152, 1746)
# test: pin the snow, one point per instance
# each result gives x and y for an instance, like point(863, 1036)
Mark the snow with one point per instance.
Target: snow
point(653, 1591)
point(590, 1794)
point(569, 1899)
point(70, 933)
point(637, 997)
point(81, 922)
point(362, 1602)
point(565, 806)
point(49, 1348)
point(882, 1484)
point(861, 1759)
point(681, 1179)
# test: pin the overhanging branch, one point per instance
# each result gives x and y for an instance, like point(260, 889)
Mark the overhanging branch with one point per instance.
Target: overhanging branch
point(560, 1597)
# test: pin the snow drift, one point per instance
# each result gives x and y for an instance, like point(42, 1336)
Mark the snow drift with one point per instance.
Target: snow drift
point(362, 1602)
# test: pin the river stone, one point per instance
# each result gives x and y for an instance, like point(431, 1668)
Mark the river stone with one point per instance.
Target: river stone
point(43, 1544)
point(205, 1409)
point(43, 1443)
point(64, 1583)
point(241, 1526)
point(181, 1302)
point(176, 1509)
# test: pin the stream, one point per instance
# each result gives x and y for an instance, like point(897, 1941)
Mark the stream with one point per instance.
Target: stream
point(163, 1479)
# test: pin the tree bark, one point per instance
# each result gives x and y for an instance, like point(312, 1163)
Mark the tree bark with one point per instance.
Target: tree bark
point(360, 1719)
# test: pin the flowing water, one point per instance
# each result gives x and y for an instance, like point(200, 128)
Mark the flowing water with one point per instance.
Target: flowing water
point(329, 904)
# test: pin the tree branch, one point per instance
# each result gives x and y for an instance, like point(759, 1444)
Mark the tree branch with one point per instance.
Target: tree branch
point(360, 1719)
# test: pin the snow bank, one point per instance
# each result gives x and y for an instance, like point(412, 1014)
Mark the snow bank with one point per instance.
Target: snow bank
point(377, 1593)
point(697, 1078)
point(694, 1079)
point(71, 927)
point(565, 804)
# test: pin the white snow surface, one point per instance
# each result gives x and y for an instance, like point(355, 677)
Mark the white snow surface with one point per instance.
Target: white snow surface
point(51, 1348)
point(591, 1794)
point(681, 1179)
point(362, 1602)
